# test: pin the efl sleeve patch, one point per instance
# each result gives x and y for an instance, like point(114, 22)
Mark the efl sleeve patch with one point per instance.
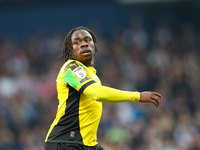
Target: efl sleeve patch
point(76, 77)
point(80, 72)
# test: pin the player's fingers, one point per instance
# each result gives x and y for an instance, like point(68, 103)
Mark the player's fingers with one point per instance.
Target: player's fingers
point(155, 99)
point(157, 94)
point(154, 102)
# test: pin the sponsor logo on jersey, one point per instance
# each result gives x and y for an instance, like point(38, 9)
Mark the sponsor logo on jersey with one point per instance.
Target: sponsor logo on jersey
point(80, 72)
point(72, 134)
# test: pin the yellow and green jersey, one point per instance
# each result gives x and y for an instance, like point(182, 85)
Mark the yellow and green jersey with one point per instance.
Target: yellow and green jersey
point(78, 116)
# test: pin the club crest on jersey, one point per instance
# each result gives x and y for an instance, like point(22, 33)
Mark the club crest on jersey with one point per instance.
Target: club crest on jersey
point(80, 72)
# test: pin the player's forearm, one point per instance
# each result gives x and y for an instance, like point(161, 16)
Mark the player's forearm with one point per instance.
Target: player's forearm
point(110, 95)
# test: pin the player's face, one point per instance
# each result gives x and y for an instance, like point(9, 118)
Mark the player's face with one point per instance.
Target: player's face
point(83, 48)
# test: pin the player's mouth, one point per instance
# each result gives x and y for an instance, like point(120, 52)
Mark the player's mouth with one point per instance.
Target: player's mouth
point(86, 52)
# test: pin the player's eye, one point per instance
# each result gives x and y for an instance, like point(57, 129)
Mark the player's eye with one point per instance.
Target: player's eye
point(87, 40)
point(77, 42)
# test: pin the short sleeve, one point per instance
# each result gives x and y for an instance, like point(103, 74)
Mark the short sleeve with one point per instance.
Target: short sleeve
point(77, 77)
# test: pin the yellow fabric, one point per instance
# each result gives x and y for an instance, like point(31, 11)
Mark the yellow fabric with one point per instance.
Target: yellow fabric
point(110, 95)
point(89, 111)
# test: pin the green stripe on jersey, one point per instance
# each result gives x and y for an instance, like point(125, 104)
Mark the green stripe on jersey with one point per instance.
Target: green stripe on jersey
point(71, 79)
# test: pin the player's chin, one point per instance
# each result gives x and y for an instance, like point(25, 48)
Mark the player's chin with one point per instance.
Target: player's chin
point(88, 61)
point(87, 58)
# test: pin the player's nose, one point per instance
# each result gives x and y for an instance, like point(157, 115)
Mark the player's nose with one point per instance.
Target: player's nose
point(84, 44)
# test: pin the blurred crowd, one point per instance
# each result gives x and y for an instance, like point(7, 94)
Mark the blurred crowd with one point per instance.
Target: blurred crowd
point(164, 59)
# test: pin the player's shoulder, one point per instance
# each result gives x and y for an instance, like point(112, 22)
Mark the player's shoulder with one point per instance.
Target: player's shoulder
point(75, 67)
point(72, 65)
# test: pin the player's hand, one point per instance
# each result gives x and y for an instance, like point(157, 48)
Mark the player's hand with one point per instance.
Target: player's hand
point(152, 97)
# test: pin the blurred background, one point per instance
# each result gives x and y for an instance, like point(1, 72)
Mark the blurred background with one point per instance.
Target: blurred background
point(143, 45)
